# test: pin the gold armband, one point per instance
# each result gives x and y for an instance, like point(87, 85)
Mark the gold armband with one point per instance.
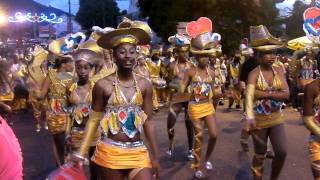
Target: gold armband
point(68, 125)
point(182, 87)
point(249, 101)
point(91, 128)
point(311, 125)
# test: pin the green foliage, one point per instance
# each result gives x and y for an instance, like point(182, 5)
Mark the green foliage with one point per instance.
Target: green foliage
point(231, 18)
point(295, 21)
point(101, 13)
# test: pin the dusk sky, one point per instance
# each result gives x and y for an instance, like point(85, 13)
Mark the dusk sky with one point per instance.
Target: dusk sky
point(63, 4)
point(123, 4)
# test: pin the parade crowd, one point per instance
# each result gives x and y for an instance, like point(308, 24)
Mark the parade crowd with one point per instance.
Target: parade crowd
point(97, 95)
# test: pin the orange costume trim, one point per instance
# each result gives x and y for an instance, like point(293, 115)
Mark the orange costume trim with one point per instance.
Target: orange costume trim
point(198, 111)
point(115, 157)
point(314, 149)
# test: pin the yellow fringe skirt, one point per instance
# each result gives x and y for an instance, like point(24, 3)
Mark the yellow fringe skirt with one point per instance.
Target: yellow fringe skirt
point(57, 122)
point(117, 157)
point(314, 149)
point(198, 111)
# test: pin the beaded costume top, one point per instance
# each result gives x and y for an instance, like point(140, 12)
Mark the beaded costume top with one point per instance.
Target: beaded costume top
point(122, 114)
point(154, 68)
point(316, 105)
point(58, 90)
point(200, 87)
point(267, 106)
point(6, 92)
point(81, 105)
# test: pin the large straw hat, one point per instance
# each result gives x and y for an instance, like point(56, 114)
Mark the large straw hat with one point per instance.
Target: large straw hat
point(66, 45)
point(262, 40)
point(203, 40)
point(137, 33)
point(86, 55)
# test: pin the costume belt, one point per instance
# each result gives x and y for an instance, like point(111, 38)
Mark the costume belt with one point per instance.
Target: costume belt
point(200, 101)
point(123, 145)
point(78, 129)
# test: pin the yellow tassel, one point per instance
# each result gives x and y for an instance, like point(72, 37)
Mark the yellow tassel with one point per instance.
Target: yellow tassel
point(113, 122)
point(104, 124)
point(137, 120)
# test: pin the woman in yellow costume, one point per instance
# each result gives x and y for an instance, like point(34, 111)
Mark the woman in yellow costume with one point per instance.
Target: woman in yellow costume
point(80, 98)
point(103, 66)
point(266, 89)
point(141, 66)
point(306, 69)
point(200, 83)
point(234, 74)
point(55, 87)
point(6, 91)
point(155, 66)
point(19, 73)
point(122, 108)
point(311, 118)
point(176, 71)
point(37, 72)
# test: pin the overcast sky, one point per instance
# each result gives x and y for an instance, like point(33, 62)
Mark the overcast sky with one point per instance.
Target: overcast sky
point(123, 4)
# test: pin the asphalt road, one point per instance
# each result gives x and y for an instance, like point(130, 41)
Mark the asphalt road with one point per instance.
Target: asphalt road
point(228, 160)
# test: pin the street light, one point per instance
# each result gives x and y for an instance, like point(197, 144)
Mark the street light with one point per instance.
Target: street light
point(3, 19)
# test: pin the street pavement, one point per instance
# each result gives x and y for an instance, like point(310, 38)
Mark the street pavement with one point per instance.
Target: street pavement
point(228, 160)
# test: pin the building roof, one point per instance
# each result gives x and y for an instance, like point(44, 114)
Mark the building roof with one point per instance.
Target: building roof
point(12, 6)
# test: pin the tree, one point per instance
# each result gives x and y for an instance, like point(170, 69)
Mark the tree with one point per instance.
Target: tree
point(231, 18)
point(101, 13)
point(295, 21)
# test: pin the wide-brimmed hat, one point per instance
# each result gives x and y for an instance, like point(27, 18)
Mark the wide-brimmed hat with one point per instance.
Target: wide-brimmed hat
point(97, 32)
point(91, 45)
point(86, 55)
point(65, 45)
point(203, 40)
point(180, 41)
point(134, 32)
point(262, 40)
point(145, 50)
point(128, 23)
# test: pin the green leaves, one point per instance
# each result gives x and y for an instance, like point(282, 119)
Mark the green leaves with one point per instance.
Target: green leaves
point(231, 18)
point(101, 13)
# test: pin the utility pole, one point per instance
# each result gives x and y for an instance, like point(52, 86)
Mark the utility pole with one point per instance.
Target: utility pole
point(69, 25)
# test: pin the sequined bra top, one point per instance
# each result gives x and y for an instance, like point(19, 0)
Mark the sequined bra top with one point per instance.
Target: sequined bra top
point(58, 90)
point(123, 115)
point(316, 105)
point(81, 106)
point(268, 106)
point(200, 88)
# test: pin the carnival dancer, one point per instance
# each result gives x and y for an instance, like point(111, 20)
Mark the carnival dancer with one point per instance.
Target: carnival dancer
point(250, 64)
point(178, 101)
point(37, 71)
point(19, 73)
point(311, 102)
point(155, 65)
point(200, 83)
point(266, 89)
point(125, 100)
point(311, 116)
point(141, 66)
point(306, 69)
point(80, 98)
point(6, 90)
point(234, 73)
point(103, 66)
point(54, 87)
